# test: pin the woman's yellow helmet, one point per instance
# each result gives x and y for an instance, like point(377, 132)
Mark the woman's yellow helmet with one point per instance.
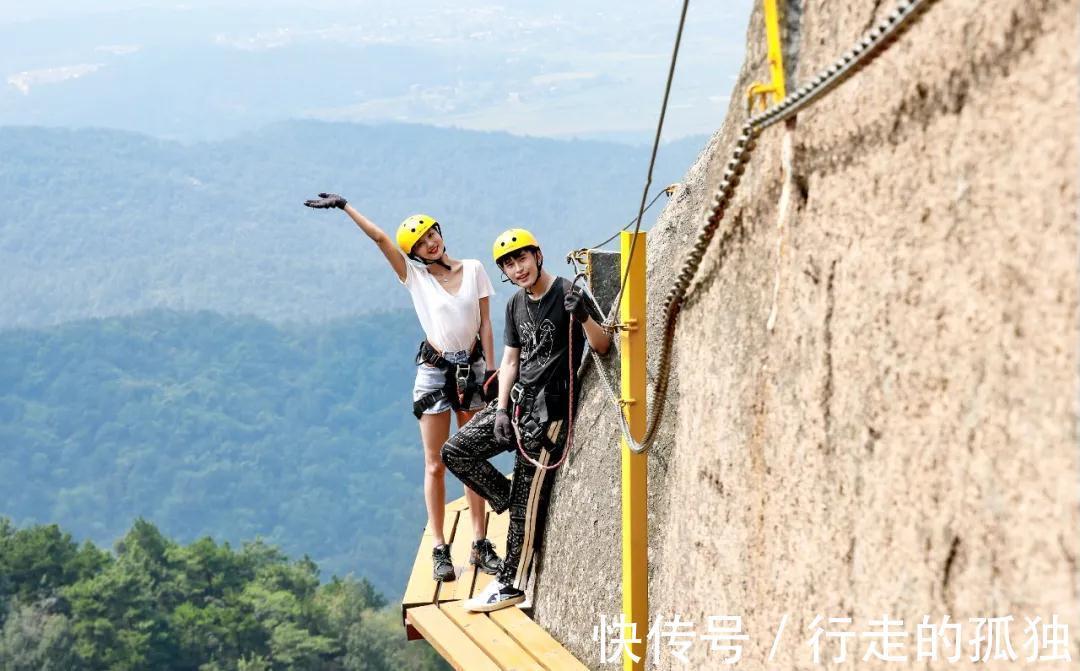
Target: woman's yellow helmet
point(510, 241)
point(412, 229)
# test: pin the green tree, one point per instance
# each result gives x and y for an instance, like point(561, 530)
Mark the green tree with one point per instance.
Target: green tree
point(157, 604)
point(37, 561)
point(376, 646)
point(294, 647)
point(117, 623)
point(342, 602)
point(36, 639)
point(224, 631)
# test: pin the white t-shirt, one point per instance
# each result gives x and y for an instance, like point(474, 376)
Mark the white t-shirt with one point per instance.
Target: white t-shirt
point(450, 321)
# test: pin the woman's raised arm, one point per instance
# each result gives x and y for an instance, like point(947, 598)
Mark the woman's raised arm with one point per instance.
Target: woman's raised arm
point(387, 246)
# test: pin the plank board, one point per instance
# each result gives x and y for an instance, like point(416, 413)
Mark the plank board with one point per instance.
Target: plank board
point(465, 587)
point(458, 505)
point(492, 639)
point(551, 655)
point(459, 553)
point(448, 639)
point(422, 587)
point(506, 639)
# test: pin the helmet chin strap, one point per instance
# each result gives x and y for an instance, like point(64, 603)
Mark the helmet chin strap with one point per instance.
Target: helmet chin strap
point(427, 262)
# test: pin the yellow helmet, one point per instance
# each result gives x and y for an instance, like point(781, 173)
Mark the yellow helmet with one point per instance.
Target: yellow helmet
point(412, 229)
point(512, 240)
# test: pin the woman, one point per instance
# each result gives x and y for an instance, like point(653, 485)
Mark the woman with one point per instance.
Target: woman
point(451, 299)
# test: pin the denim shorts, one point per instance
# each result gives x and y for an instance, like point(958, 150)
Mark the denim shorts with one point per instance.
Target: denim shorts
point(430, 378)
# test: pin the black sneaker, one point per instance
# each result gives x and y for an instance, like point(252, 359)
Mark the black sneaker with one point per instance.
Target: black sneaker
point(483, 557)
point(444, 568)
point(495, 597)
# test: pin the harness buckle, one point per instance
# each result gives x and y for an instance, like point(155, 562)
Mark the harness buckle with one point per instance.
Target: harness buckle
point(524, 415)
point(462, 371)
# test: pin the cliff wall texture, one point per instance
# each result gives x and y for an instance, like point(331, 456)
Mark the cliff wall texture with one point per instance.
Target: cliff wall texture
point(902, 440)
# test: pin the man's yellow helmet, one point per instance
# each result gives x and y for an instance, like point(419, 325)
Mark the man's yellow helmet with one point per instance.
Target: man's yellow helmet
point(412, 229)
point(510, 241)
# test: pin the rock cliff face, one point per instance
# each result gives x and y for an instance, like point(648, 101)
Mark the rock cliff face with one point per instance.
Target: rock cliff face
point(902, 441)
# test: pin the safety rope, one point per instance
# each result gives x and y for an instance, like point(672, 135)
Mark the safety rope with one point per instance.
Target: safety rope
point(667, 189)
point(655, 147)
point(597, 360)
point(868, 48)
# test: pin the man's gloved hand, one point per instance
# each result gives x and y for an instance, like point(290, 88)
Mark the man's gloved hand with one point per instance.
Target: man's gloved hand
point(575, 304)
point(327, 200)
point(504, 430)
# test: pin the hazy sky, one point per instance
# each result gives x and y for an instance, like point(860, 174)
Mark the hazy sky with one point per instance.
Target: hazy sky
point(197, 68)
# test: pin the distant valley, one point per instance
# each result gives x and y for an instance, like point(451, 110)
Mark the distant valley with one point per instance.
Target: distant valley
point(95, 223)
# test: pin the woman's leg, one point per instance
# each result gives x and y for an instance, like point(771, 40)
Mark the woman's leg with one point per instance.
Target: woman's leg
point(477, 509)
point(434, 430)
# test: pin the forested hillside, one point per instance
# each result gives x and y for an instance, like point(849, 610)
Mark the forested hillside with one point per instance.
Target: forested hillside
point(223, 426)
point(157, 604)
point(98, 223)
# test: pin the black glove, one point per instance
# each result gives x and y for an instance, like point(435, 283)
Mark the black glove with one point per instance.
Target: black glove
point(575, 304)
point(490, 389)
point(504, 430)
point(327, 200)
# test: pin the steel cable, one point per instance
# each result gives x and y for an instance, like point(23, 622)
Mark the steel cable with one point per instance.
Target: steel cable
point(870, 46)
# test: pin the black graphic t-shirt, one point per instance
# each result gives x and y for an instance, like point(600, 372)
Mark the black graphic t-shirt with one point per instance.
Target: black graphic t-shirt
point(540, 329)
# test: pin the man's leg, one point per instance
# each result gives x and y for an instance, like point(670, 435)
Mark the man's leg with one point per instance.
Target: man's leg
point(466, 454)
point(482, 554)
point(528, 508)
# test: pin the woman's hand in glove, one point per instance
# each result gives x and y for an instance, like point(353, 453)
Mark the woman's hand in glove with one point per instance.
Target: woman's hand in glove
point(327, 200)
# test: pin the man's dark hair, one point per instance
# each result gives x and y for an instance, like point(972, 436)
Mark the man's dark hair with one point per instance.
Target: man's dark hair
point(517, 252)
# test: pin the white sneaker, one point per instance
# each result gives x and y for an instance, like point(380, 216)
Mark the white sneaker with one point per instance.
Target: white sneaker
point(496, 596)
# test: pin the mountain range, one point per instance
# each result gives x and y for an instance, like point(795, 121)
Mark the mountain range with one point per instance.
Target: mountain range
point(95, 223)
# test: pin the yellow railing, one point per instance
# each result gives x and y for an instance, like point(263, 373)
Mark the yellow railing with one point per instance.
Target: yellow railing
point(635, 466)
point(760, 92)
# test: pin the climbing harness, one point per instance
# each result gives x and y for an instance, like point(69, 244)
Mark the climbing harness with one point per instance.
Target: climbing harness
point(461, 383)
point(868, 48)
point(536, 415)
point(530, 412)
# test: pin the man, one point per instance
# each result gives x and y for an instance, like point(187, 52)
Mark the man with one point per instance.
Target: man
point(531, 413)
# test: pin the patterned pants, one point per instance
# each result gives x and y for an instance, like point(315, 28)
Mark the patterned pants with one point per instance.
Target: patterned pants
point(466, 454)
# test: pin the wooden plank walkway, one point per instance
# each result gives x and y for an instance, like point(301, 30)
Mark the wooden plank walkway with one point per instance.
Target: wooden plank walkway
point(504, 640)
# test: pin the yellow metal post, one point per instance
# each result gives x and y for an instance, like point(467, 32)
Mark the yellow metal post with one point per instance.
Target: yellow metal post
point(777, 86)
point(635, 525)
